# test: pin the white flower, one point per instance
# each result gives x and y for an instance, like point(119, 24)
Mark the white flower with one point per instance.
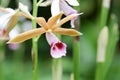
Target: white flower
point(60, 5)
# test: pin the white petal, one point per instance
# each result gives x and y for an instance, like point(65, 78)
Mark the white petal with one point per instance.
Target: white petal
point(73, 2)
point(4, 19)
point(27, 25)
point(51, 38)
point(55, 8)
point(44, 4)
point(10, 10)
point(24, 9)
point(14, 32)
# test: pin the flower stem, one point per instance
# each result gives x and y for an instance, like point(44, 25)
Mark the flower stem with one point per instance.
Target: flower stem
point(76, 49)
point(57, 69)
point(104, 13)
point(76, 59)
point(35, 44)
point(2, 55)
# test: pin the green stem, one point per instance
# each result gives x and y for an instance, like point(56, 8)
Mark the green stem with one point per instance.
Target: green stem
point(104, 13)
point(35, 44)
point(76, 59)
point(2, 55)
point(35, 59)
point(57, 69)
point(99, 71)
point(76, 49)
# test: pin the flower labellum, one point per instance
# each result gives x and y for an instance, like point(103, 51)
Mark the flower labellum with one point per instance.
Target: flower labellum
point(58, 48)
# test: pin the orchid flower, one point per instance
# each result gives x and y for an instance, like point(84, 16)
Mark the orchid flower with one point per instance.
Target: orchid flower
point(58, 48)
point(10, 19)
point(60, 5)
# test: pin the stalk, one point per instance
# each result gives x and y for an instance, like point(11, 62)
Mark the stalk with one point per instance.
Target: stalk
point(57, 69)
point(104, 13)
point(76, 49)
point(35, 43)
point(76, 59)
point(2, 55)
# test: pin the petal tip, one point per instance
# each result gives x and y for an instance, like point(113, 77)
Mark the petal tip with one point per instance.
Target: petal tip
point(8, 42)
point(81, 33)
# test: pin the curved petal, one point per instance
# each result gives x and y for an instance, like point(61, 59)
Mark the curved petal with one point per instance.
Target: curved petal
point(53, 20)
point(55, 8)
point(24, 9)
point(58, 50)
point(64, 20)
point(72, 22)
point(51, 38)
point(10, 10)
point(5, 18)
point(66, 8)
point(41, 21)
point(13, 33)
point(67, 11)
point(27, 35)
point(73, 2)
point(11, 23)
point(45, 3)
point(70, 32)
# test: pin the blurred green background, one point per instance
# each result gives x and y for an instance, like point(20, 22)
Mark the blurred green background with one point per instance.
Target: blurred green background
point(17, 64)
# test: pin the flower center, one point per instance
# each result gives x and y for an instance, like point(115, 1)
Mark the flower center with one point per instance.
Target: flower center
point(59, 45)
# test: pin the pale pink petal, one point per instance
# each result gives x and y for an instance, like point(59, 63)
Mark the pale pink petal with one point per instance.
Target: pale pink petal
point(73, 2)
point(55, 8)
point(72, 23)
point(58, 50)
point(67, 11)
point(13, 46)
point(66, 8)
point(51, 38)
